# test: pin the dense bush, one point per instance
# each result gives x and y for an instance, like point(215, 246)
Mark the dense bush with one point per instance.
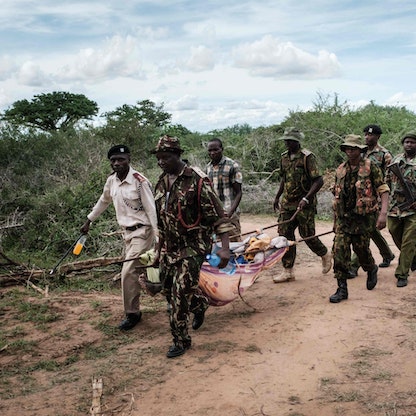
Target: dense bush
point(50, 181)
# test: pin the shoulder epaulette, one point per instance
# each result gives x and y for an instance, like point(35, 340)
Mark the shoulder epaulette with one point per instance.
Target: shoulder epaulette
point(139, 177)
point(199, 172)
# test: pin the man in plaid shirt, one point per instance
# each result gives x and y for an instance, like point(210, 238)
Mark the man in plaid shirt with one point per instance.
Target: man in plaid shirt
point(226, 179)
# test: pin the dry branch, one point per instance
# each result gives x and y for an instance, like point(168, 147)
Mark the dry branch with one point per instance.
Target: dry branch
point(97, 392)
point(8, 260)
point(89, 264)
point(20, 275)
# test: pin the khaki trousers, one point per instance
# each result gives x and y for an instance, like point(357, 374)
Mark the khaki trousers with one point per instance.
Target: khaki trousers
point(136, 243)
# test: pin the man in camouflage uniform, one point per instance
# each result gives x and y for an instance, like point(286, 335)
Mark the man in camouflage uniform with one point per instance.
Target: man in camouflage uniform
point(401, 216)
point(189, 212)
point(300, 181)
point(382, 158)
point(358, 183)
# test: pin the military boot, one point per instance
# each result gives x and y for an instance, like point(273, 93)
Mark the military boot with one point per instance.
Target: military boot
point(372, 278)
point(341, 293)
point(326, 262)
point(287, 275)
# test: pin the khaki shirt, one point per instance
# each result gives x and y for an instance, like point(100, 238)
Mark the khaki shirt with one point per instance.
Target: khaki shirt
point(132, 199)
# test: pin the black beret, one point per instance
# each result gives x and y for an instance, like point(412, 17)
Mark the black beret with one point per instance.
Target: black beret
point(372, 128)
point(118, 150)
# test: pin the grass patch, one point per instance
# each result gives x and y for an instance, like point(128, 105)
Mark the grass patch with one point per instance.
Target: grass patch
point(369, 352)
point(349, 396)
point(219, 346)
point(327, 381)
point(252, 348)
point(382, 376)
point(101, 351)
point(47, 365)
point(36, 313)
point(21, 346)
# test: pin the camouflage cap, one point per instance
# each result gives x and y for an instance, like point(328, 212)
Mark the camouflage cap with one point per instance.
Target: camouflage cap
point(353, 140)
point(292, 133)
point(168, 144)
point(409, 136)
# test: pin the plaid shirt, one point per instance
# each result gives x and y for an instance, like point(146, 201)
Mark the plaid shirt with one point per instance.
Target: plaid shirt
point(222, 177)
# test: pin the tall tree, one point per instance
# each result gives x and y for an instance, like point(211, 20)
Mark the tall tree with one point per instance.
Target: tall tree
point(133, 124)
point(51, 111)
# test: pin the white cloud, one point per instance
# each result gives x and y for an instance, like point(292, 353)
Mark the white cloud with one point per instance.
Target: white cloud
point(7, 66)
point(31, 74)
point(202, 59)
point(187, 102)
point(270, 57)
point(402, 99)
point(117, 58)
point(212, 63)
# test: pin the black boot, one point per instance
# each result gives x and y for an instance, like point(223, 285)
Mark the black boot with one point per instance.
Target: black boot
point(132, 319)
point(372, 278)
point(341, 293)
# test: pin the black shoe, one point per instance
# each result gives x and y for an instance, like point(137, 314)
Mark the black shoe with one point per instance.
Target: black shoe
point(132, 319)
point(413, 266)
point(386, 262)
point(401, 282)
point(198, 320)
point(339, 295)
point(176, 350)
point(372, 278)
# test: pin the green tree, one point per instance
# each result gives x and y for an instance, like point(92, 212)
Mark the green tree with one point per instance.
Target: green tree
point(52, 111)
point(136, 126)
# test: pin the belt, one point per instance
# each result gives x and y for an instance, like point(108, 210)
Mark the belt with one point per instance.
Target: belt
point(135, 227)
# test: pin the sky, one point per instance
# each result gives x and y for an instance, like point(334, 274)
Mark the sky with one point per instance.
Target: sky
point(211, 63)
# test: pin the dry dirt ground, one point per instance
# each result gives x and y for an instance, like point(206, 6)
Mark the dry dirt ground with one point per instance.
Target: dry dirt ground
point(295, 354)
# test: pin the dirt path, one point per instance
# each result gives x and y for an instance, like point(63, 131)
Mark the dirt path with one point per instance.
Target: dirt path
point(297, 354)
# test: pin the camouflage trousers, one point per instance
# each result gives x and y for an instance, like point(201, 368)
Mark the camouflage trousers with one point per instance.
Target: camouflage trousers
point(382, 245)
point(180, 285)
point(305, 222)
point(342, 252)
point(403, 232)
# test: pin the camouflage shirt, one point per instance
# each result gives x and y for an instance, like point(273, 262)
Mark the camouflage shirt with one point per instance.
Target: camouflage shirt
point(188, 215)
point(297, 171)
point(380, 156)
point(408, 169)
point(355, 200)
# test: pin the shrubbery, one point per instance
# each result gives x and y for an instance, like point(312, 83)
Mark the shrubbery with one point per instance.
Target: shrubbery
point(50, 180)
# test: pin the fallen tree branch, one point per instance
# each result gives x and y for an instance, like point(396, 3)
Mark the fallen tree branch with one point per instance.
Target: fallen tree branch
point(89, 264)
point(9, 260)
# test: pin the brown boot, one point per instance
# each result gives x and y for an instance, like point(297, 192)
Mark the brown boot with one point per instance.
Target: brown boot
point(286, 276)
point(326, 262)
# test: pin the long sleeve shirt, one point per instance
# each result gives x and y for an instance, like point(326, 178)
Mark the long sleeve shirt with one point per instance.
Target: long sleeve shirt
point(132, 199)
point(408, 169)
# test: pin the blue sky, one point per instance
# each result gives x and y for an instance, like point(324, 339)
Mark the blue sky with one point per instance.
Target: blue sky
point(213, 63)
